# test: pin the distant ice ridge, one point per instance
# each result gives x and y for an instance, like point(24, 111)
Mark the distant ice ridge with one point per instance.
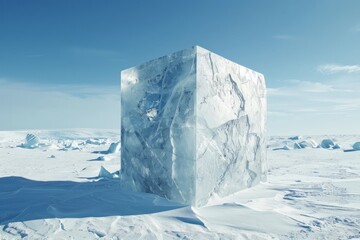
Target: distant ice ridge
point(192, 126)
point(296, 142)
point(95, 141)
point(114, 148)
point(356, 146)
point(327, 143)
point(73, 145)
point(31, 141)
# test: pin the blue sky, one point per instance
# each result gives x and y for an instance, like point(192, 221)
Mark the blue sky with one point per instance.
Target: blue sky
point(60, 60)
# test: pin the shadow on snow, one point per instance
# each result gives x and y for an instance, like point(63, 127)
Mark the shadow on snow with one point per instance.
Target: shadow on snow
point(23, 199)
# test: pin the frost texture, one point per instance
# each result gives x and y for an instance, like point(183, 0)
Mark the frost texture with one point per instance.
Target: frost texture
point(193, 127)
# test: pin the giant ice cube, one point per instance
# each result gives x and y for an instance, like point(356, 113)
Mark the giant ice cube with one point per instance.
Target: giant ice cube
point(192, 126)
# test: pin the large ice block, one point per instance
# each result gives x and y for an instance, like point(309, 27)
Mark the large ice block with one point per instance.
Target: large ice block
point(192, 127)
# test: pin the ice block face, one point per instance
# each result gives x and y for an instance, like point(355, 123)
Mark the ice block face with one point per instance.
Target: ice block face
point(158, 126)
point(230, 127)
point(193, 127)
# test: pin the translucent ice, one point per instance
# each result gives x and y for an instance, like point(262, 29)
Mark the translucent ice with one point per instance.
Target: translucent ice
point(356, 146)
point(31, 141)
point(327, 143)
point(192, 126)
point(114, 147)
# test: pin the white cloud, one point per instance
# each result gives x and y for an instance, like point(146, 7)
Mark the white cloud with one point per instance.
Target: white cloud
point(313, 87)
point(335, 68)
point(31, 106)
point(274, 91)
point(298, 88)
point(306, 107)
point(345, 107)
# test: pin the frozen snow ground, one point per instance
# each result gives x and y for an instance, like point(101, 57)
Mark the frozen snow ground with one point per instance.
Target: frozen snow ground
point(311, 193)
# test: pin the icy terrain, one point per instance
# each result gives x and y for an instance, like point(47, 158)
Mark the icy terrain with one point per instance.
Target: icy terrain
point(53, 191)
point(191, 153)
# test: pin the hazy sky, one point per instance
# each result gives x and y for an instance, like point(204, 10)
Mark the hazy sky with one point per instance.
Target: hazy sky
point(60, 60)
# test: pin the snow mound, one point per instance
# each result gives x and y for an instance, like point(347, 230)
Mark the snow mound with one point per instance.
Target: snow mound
point(309, 144)
point(295, 138)
point(356, 146)
point(337, 146)
point(72, 146)
point(281, 148)
point(95, 141)
point(31, 141)
point(285, 147)
point(103, 158)
point(52, 147)
point(306, 144)
point(114, 148)
point(327, 143)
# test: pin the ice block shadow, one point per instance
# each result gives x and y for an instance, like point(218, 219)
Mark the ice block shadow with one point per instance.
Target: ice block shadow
point(23, 199)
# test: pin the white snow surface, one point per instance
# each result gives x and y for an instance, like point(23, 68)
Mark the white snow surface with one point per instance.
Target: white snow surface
point(310, 193)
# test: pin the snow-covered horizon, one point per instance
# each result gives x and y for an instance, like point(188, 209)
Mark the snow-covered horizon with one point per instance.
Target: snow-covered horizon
point(114, 130)
point(65, 185)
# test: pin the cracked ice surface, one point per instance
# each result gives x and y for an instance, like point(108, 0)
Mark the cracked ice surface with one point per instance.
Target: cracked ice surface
point(193, 126)
point(230, 127)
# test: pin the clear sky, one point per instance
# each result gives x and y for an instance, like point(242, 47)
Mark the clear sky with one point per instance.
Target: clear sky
point(60, 60)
